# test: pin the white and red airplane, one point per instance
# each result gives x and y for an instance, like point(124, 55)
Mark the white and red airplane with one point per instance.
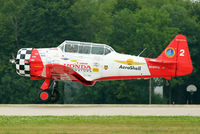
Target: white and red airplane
point(90, 62)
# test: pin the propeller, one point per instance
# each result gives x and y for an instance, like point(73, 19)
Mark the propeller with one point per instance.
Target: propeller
point(13, 60)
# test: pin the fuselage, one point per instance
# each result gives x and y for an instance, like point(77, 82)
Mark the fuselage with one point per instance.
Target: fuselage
point(94, 62)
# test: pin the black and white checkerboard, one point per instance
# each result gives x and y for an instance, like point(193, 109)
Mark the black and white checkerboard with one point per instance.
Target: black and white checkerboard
point(22, 61)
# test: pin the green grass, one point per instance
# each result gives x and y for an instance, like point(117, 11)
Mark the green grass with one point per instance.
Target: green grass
point(99, 125)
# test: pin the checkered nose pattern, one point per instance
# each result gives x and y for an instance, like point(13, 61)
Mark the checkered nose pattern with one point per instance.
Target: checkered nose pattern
point(22, 61)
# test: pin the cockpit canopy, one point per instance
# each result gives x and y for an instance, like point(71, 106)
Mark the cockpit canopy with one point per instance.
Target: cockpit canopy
point(85, 48)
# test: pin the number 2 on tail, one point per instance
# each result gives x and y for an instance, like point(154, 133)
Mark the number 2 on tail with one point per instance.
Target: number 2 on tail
point(182, 52)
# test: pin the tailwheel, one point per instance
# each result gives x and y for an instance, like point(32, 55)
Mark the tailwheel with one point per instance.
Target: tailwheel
point(44, 96)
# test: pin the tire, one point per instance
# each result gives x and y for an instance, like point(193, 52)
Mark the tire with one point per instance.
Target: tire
point(44, 96)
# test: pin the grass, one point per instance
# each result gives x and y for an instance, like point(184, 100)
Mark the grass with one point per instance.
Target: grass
point(99, 125)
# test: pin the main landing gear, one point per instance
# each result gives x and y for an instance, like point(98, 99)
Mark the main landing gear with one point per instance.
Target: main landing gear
point(49, 95)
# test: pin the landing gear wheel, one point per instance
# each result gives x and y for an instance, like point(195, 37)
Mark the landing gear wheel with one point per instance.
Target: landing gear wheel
point(54, 96)
point(44, 96)
point(49, 95)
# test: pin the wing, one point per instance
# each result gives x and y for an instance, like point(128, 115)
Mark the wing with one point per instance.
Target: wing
point(61, 72)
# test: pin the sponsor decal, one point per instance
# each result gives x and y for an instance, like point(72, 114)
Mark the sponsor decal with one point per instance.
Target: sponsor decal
point(54, 49)
point(41, 52)
point(42, 55)
point(129, 62)
point(37, 66)
point(106, 67)
point(96, 64)
point(83, 63)
point(64, 58)
point(163, 67)
point(170, 52)
point(95, 69)
point(73, 60)
point(56, 55)
point(80, 67)
point(130, 67)
point(180, 40)
point(154, 67)
point(53, 61)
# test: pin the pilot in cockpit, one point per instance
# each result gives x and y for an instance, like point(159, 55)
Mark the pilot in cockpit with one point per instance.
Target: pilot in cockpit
point(71, 48)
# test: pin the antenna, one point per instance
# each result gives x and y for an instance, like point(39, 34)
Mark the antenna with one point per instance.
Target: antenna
point(142, 51)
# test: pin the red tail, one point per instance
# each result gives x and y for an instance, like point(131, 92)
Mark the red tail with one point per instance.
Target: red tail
point(177, 52)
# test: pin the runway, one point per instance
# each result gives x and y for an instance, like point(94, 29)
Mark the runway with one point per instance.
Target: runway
point(100, 110)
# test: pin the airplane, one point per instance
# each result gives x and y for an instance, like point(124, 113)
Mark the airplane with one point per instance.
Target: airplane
point(87, 63)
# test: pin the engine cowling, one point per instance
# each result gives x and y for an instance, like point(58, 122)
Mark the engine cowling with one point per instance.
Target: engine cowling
point(23, 61)
point(29, 63)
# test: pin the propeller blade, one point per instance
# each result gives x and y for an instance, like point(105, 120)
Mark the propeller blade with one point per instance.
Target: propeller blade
point(13, 60)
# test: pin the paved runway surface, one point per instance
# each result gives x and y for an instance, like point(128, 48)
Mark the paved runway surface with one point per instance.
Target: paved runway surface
point(100, 110)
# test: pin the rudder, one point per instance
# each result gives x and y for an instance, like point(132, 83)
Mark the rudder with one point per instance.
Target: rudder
point(184, 63)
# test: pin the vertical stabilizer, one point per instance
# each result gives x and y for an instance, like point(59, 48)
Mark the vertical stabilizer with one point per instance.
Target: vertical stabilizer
point(177, 51)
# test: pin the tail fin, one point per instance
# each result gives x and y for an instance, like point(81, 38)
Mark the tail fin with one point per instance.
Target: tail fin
point(177, 51)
